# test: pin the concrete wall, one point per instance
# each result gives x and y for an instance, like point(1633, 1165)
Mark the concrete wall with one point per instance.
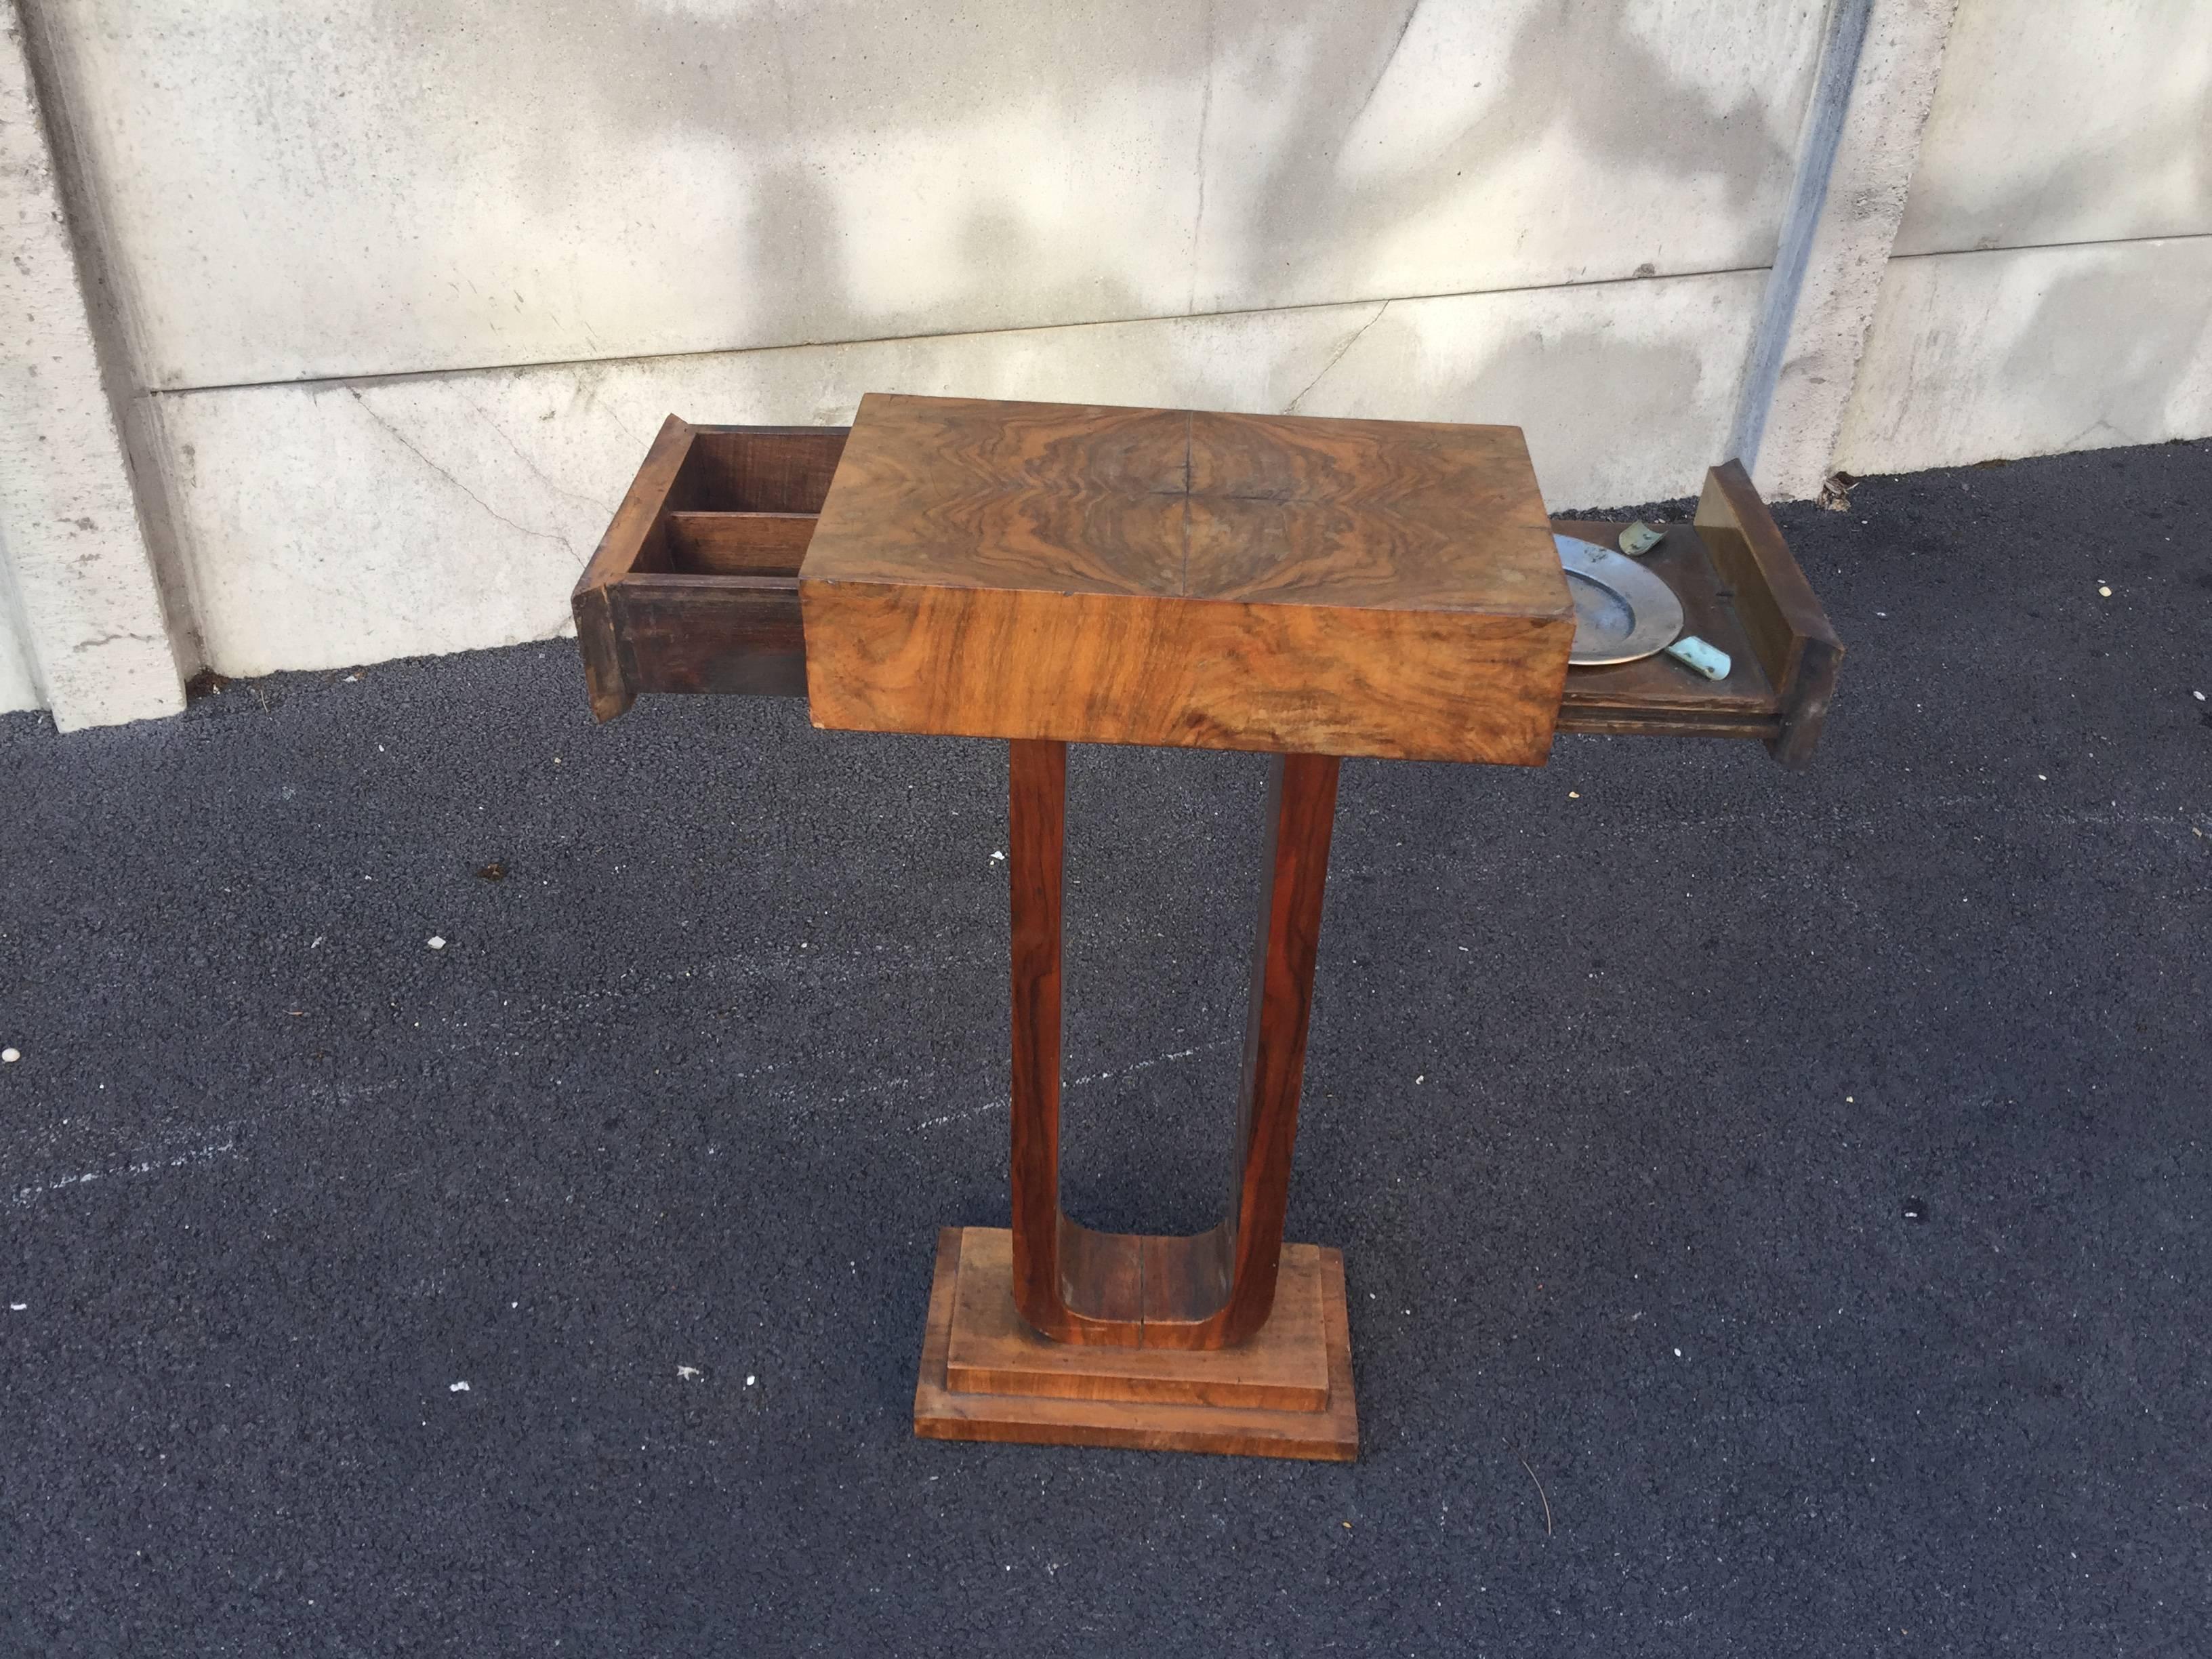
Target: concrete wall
point(418, 186)
point(2052, 287)
point(19, 683)
point(400, 291)
point(82, 623)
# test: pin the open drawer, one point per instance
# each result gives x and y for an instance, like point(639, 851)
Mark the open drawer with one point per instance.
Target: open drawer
point(1740, 590)
point(696, 588)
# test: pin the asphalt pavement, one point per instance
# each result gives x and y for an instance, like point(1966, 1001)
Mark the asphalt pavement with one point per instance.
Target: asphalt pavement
point(1777, 1206)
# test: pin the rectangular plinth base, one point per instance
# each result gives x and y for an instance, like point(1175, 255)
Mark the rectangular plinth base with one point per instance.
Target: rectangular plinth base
point(1151, 1400)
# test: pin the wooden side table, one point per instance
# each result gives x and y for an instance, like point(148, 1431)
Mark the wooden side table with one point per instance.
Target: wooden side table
point(1053, 573)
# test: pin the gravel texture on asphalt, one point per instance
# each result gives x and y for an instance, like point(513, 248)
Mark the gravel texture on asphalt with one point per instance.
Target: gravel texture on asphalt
point(1778, 1207)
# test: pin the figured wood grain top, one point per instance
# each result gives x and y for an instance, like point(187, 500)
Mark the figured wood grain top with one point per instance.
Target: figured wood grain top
point(1100, 574)
point(1393, 515)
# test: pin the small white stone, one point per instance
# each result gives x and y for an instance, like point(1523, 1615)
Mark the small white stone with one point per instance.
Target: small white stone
point(1573, 794)
point(17, 1307)
point(436, 943)
point(689, 1373)
point(1678, 1353)
point(2199, 695)
point(9, 1056)
point(456, 1388)
point(2103, 592)
point(748, 1381)
point(998, 857)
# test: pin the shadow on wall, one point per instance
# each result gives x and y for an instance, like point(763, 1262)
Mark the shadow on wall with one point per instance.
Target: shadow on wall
point(1289, 189)
point(1561, 381)
point(1666, 125)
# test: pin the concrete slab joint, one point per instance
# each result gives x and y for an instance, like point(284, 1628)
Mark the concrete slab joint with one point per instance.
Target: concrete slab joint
point(1878, 75)
point(90, 638)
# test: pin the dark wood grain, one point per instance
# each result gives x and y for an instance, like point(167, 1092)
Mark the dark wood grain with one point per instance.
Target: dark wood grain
point(1158, 576)
point(1212, 1289)
point(1653, 685)
point(1787, 626)
point(762, 468)
point(738, 502)
point(738, 543)
point(1389, 515)
point(625, 547)
point(1214, 675)
point(1301, 812)
point(694, 587)
point(1036, 828)
point(736, 635)
point(941, 1412)
point(1742, 590)
point(994, 1350)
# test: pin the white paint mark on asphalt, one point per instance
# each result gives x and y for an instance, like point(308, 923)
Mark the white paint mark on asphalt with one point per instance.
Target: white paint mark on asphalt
point(1146, 1064)
point(689, 1373)
point(146, 1166)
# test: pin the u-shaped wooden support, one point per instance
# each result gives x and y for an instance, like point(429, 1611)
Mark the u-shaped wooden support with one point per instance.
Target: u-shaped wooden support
point(1211, 1290)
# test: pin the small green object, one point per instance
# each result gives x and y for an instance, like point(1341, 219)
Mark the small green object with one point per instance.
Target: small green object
point(1640, 538)
point(1695, 655)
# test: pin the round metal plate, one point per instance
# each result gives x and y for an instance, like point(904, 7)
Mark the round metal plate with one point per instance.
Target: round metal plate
point(1622, 611)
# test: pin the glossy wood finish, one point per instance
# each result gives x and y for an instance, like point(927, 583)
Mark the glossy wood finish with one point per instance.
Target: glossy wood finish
point(1285, 1367)
point(1285, 581)
point(1163, 576)
point(1329, 1434)
point(1214, 1289)
point(740, 503)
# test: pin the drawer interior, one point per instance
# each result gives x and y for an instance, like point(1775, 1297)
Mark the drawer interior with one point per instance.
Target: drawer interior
point(744, 500)
point(1657, 695)
point(695, 587)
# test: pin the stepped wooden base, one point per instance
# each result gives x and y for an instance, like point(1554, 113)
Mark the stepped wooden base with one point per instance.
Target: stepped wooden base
point(987, 1376)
